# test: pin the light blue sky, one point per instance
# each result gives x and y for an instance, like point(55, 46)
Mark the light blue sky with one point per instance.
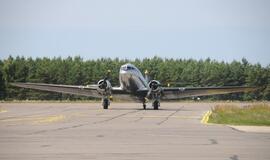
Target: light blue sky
point(219, 29)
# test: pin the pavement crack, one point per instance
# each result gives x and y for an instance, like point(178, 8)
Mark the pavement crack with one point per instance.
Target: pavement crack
point(23, 116)
point(234, 157)
point(45, 146)
point(118, 116)
point(213, 141)
point(100, 136)
point(137, 120)
point(58, 129)
point(80, 125)
point(234, 129)
point(167, 118)
point(38, 132)
point(140, 118)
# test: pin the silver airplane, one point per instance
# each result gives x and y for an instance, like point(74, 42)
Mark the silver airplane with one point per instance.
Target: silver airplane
point(133, 86)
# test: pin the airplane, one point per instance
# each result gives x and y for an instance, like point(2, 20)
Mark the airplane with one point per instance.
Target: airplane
point(135, 87)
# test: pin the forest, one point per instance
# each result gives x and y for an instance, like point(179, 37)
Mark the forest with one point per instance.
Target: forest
point(175, 72)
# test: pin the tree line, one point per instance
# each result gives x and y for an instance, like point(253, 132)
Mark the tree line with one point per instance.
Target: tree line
point(173, 72)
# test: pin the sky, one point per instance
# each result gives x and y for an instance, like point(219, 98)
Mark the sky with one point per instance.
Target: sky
point(224, 30)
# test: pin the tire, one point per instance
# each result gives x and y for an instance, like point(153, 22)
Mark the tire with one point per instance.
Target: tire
point(156, 105)
point(105, 103)
point(144, 106)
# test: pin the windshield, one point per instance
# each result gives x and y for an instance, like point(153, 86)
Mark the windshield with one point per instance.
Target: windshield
point(125, 68)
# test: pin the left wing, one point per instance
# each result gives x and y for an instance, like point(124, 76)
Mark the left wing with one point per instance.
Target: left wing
point(178, 93)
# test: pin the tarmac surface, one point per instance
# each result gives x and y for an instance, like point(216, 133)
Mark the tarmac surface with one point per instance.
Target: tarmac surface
point(66, 131)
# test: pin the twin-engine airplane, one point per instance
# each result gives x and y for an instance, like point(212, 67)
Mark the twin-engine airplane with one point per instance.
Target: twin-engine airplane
point(133, 86)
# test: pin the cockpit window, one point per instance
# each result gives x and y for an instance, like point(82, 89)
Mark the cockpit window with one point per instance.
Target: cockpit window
point(125, 68)
point(129, 68)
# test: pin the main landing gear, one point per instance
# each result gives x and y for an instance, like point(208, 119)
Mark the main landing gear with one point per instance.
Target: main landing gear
point(144, 106)
point(155, 104)
point(105, 103)
point(145, 100)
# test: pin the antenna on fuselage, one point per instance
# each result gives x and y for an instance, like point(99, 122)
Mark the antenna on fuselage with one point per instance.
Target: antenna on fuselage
point(146, 76)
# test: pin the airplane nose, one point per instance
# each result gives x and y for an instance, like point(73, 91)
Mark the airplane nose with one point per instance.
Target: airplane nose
point(123, 71)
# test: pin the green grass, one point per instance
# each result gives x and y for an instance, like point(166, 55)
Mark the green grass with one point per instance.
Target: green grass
point(255, 114)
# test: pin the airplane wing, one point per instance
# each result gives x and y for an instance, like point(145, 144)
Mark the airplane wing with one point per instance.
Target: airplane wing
point(69, 89)
point(89, 90)
point(169, 93)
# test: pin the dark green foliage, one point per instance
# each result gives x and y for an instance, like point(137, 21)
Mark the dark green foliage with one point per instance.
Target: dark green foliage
point(177, 72)
point(2, 82)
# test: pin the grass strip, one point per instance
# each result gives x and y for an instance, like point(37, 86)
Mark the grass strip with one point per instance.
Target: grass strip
point(254, 114)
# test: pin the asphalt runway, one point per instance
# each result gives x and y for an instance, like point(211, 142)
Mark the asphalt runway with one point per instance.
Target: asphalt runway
point(85, 131)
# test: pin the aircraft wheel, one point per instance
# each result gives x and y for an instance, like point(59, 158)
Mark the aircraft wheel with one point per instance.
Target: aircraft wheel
point(105, 103)
point(156, 105)
point(144, 106)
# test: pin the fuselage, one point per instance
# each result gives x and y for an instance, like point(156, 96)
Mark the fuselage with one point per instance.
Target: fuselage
point(131, 79)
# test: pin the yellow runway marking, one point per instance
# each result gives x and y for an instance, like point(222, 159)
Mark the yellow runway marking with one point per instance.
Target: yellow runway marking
point(37, 119)
point(2, 110)
point(206, 117)
point(50, 119)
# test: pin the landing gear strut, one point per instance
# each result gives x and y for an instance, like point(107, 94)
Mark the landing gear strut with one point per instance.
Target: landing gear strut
point(144, 106)
point(105, 103)
point(145, 100)
point(156, 104)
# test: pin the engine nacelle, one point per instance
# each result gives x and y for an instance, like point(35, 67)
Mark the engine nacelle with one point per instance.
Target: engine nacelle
point(104, 87)
point(154, 85)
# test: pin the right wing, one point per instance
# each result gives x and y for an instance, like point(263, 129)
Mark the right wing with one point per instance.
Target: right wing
point(69, 89)
point(89, 90)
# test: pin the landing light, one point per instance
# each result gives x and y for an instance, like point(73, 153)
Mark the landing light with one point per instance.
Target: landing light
point(111, 98)
point(146, 99)
point(146, 72)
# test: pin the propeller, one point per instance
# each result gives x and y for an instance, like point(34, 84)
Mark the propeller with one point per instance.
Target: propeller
point(105, 84)
point(153, 87)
